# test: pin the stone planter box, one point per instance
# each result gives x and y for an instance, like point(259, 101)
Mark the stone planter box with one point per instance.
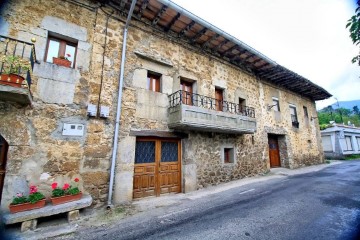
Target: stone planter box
point(66, 198)
point(26, 206)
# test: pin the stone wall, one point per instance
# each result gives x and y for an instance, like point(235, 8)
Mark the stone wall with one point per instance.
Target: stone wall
point(40, 154)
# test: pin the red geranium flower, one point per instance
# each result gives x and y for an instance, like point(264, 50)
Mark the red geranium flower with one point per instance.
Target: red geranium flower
point(33, 189)
point(54, 185)
point(76, 179)
point(66, 186)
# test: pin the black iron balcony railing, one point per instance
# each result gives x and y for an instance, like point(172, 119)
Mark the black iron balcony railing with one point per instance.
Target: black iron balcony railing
point(17, 57)
point(294, 121)
point(193, 99)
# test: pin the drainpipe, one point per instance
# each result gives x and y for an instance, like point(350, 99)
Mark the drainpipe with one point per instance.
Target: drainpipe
point(208, 25)
point(119, 102)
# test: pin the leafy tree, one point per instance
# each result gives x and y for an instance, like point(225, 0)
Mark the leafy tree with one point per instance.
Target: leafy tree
point(356, 110)
point(354, 29)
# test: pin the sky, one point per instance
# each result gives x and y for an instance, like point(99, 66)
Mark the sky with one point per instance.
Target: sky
point(308, 37)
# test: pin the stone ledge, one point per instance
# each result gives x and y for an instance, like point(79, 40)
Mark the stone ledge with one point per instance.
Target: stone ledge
point(48, 210)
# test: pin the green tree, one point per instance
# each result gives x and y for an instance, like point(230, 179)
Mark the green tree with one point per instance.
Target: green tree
point(354, 29)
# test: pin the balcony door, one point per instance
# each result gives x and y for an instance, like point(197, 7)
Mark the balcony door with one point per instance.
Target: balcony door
point(274, 154)
point(187, 90)
point(219, 99)
point(3, 157)
point(157, 167)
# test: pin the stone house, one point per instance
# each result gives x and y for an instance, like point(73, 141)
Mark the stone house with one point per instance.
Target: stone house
point(340, 140)
point(197, 107)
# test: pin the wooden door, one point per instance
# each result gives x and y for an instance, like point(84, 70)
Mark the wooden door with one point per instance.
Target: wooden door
point(219, 99)
point(274, 152)
point(187, 91)
point(157, 167)
point(3, 158)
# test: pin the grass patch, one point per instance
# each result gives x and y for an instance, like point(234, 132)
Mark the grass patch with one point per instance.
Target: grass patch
point(351, 157)
point(328, 161)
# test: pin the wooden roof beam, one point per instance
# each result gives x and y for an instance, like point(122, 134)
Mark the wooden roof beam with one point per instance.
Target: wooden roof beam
point(142, 8)
point(199, 34)
point(187, 28)
point(207, 42)
point(256, 61)
point(215, 49)
point(168, 27)
point(159, 14)
point(229, 51)
point(238, 55)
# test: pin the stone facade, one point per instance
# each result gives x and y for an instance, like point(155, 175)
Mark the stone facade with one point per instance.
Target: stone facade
point(39, 153)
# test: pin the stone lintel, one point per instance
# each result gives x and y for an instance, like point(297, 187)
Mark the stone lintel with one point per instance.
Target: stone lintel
point(48, 210)
point(154, 133)
point(154, 58)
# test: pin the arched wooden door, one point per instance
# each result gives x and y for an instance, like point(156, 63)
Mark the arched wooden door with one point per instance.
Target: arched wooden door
point(3, 157)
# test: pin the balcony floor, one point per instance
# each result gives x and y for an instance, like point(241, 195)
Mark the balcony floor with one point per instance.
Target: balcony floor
point(21, 96)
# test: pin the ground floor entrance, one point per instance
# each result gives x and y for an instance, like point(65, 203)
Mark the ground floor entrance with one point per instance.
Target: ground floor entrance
point(274, 153)
point(157, 167)
point(3, 157)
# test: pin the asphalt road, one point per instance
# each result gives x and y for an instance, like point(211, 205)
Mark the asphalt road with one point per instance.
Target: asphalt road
point(317, 205)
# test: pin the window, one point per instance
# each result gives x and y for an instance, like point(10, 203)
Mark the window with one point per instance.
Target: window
point(275, 104)
point(57, 47)
point(348, 144)
point(153, 82)
point(358, 142)
point(306, 115)
point(228, 155)
point(293, 115)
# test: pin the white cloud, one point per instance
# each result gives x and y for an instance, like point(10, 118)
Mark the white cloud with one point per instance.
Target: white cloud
point(308, 37)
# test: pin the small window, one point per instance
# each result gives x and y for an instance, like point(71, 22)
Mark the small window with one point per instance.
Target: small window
point(293, 115)
point(306, 115)
point(153, 82)
point(358, 142)
point(60, 48)
point(228, 155)
point(275, 104)
point(348, 143)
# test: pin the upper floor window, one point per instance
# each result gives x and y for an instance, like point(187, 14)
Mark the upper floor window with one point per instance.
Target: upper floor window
point(228, 155)
point(60, 48)
point(153, 82)
point(293, 115)
point(306, 115)
point(275, 104)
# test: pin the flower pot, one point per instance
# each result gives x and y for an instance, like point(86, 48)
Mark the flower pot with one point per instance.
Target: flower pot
point(26, 206)
point(62, 62)
point(66, 198)
point(11, 79)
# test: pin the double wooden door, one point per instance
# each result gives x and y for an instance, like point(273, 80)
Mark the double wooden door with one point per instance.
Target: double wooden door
point(157, 167)
point(274, 151)
point(3, 157)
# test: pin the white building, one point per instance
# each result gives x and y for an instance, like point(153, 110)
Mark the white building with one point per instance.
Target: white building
point(340, 140)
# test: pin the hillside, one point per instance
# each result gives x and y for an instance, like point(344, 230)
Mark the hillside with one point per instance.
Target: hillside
point(346, 104)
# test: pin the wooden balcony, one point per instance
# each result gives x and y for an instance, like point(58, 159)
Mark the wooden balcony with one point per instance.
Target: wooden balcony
point(200, 113)
point(17, 59)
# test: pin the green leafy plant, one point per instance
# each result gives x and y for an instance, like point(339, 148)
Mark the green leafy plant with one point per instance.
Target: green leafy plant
point(65, 190)
point(354, 29)
point(15, 64)
point(34, 197)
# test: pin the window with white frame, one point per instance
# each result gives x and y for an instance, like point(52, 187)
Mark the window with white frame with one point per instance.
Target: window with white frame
point(348, 144)
point(293, 115)
point(275, 104)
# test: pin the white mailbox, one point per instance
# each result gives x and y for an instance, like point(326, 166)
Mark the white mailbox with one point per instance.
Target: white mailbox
point(73, 129)
point(104, 111)
point(91, 110)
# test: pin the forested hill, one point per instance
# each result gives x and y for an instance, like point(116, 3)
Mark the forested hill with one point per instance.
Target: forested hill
point(346, 104)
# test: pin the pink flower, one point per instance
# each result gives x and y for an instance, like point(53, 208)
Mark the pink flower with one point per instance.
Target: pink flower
point(54, 185)
point(19, 194)
point(66, 186)
point(76, 179)
point(33, 189)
